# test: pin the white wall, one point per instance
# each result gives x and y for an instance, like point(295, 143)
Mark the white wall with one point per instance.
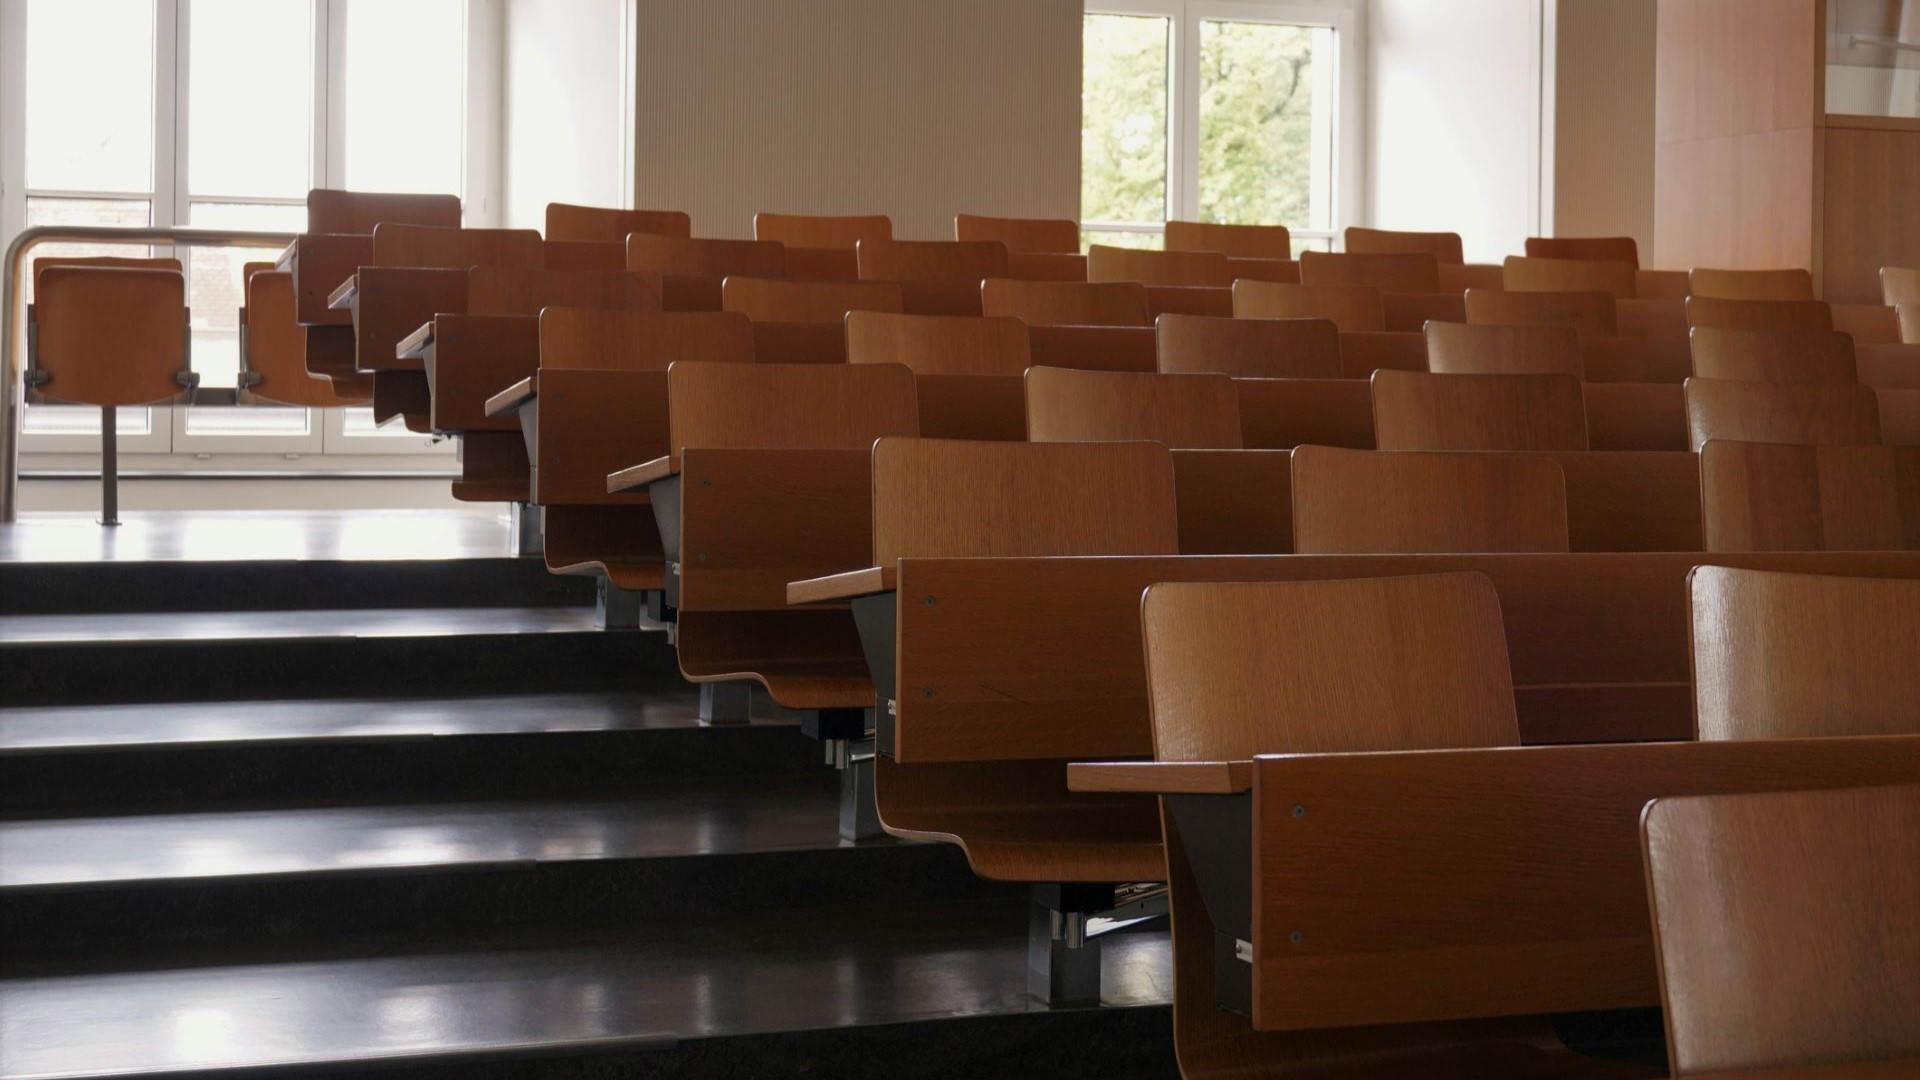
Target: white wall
point(914, 108)
point(1454, 103)
point(566, 116)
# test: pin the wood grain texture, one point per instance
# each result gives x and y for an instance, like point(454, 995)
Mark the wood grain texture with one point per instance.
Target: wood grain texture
point(1592, 313)
point(1412, 411)
point(1363, 353)
point(1534, 274)
point(1585, 248)
point(1772, 316)
point(590, 423)
point(1249, 348)
point(822, 263)
point(1652, 319)
point(1869, 219)
point(1899, 285)
point(618, 541)
point(455, 249)
point(1147, 267)
point(497, 290)
point(1785, 926)
point(1285, 271)
point(606, 225)
point(1390, 272)
point(752, 520)
point(334, 211)
point(1023, 235)
point(109, 332)
point(789, 406)
point(1204, 300)
point(1067, 303)
point(475, 357)
point(1636, 416)
point(1542, 349)
point(938, 344)
point(493, 464)
point(1613, 360)
point(1457, 278)
point(1398, 663)
point(320, 263)
point(1163, 777)
point(641, 341)
point(1821, 414)
point(1718, 284)
point(1361, 502)
point(1662, 284)
point(1093, 348)
point(1182, 412)
point(1234, 502)
point(1632, 500)
point(1239, 241)
point(1280, 414)
point(584, 255)
point(940, 298)
point(806, 659)
point(970, 261)
point(1409, 313)
point(991, 407)
point(705, 258)
point(1443, 246)
point(781, 300)
point(1524, 926)
point(1354, 309)
point(1868, 324)
point(800, 342)
point(821, 230)
point(1812, 356)
point(1784, 655)
point(937, 497)
point(1046, 266)
point(276, 350)
point(1909, 314)
point(393, 302)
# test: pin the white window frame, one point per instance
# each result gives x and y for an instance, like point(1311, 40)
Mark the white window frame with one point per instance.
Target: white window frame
point(1184, 17)
point(167, 442)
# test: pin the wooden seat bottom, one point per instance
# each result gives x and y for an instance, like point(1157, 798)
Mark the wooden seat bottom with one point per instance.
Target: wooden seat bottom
point(620, 542)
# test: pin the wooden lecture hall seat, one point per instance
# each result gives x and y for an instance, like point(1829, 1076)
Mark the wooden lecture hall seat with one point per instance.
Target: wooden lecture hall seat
point(1821, 414)
point(1353, 308)
point(1784, 497)
point(273, 349)
point(1413, 411)
point(1249, 348)
point(1067, 303)
point(1535, 274)
point(1237, 241)
point(1616, 249)
point(593, 224)
point(1817, 356)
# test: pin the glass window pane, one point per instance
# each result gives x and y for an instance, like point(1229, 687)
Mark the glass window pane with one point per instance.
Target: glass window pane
point(406, 94)
point(250, 97)
point(83, 420)
point(214, 282)
point(47, 211)
point(89, 95)
point(255, 420)
point(1123, 102)
point(1266, 124)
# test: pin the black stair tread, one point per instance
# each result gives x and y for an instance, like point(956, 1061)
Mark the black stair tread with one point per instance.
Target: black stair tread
point(658, 819)
point(75, 728)
point(581, 990)
point(248, 535)
point(172, 627)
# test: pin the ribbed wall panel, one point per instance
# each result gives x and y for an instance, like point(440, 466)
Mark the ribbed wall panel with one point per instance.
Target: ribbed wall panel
point(915, 108)
point(1603, 141)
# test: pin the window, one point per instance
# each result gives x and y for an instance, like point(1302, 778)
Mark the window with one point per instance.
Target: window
point(222, 114)
point(1207, 110)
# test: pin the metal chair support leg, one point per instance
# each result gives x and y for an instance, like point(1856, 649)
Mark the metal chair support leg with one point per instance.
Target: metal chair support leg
point(109, 465)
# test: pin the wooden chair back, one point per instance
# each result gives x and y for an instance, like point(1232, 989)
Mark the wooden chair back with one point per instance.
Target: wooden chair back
point(1592, 313)
point(1093, 348)
point(1021, 235)
point(1751, 284)
point(1443, 246)
point(822, 230)
point(276, 348)
point(788, 406)
point(1770, 316)
point(781, 300)
point(1284, 271)
point(1182, 412)
point(1900, 285)
point(1615, 249)
point(1636, 360)
point(607, 225)
point(1210, 301)
point(601, 255)
point(1238, 241)
point(1046, 266)
point(971, 261)
point(1398, 272)
point(1781, 497)
point(496, 290)
point(109, 331)
point(1536, 349)
point(1867, 324)
point(1530, 274)
point(705, 258)
point(1785, 926)
point(1909, 314)
point(1353, 308)
point(1409, 313)
point(1412, 411)
point(1787, 656)
point(1147, 267)
point(333, 211)
point(1249, 348)
point(1360, 502)
point(1066, 303)
point(1815, 414)
point(1457, 278)
point(1280, 414)
point(1362, 354)
point(1812, 356)
point(1396, 663)
point(935, 498)
point(601, 339)
point(939, 344)
point(431, 247)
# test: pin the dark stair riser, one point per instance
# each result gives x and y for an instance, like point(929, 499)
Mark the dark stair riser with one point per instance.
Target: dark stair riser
point(225, 670)
point(275, 585)
point(450, 767)
point(105, 922)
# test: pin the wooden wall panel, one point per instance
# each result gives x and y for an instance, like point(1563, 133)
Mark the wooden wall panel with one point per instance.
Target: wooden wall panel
point(1872, 216)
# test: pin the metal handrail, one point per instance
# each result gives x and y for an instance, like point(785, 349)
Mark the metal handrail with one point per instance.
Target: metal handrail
point(12, 403)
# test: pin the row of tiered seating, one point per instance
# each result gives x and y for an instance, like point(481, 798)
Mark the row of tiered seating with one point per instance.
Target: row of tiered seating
point(1498, 565)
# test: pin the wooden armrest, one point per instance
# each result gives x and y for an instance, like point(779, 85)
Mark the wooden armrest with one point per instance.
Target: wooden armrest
point(639, 476)
point(414, 345)
point(1162, 777)
point(283, 262)
point(1852, 1070)
point(514, 396)
point(344, 294)
point(839, 588)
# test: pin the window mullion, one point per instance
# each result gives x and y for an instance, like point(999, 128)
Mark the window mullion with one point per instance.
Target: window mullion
point(1187, 99)
point(169, 124)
